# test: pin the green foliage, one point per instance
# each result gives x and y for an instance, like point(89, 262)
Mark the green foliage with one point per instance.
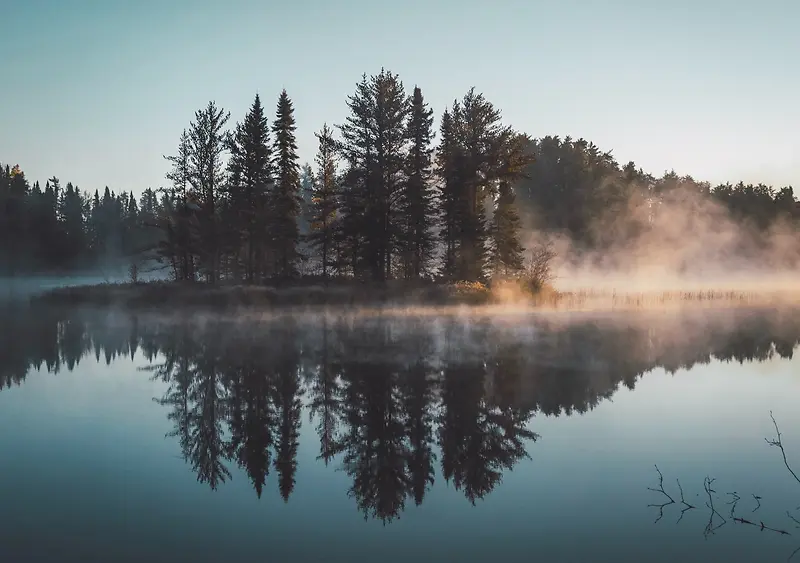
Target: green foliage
point(373, 147)
point(507, 250)
point(324, 199)
point(381, 203)
point(417, 200)
point(285, 200)
point(250, 181)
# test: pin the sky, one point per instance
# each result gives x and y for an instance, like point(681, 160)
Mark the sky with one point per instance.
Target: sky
point(96, 91)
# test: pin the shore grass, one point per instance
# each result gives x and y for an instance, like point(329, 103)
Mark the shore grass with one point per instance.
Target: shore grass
point(176, 295)
point(400, 295)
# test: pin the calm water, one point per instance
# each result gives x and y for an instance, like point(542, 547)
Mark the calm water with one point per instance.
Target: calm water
point(527, 438)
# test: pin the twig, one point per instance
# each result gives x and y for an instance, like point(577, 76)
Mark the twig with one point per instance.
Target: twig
point(758, 500)
point(793, 554)
point(778, 443)
point(762, 526)
point(736, 498)
point(710, 528)
point(795, 520)
point(661, 490)
point(683, 502)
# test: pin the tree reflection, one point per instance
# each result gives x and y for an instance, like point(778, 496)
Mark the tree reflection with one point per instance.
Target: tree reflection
point(394, 402)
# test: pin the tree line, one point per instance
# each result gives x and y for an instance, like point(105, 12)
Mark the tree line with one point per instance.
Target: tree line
point(387, 197)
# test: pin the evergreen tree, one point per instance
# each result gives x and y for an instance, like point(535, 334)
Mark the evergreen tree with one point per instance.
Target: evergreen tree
point(181, 227)
point(448, 159)
point(286, 199)
point(418, 199)
point(324, 200)
point(507, 255)
point(356, 149)
point(477, 152)
point(390, 113)
point(306, 193)
point(72, 227)
point(250, 167)
point(374, 147)
point(206, 147)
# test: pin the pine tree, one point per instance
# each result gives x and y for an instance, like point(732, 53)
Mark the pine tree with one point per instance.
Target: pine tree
point(374, 147)
point(72, 225)
point(476, 153)
point(507, 250)
point(286, 200)
point(181, 228)
point(418, 198)
point(448, 161)
point(206, 146)
point(251, 172)
point(357, 150)
point(306, 191)
point(324, 204)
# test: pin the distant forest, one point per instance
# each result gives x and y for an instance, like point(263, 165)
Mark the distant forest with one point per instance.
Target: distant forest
point(386, 198)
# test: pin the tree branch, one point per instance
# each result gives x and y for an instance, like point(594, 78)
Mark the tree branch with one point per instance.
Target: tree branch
point(661, 490)
point(778, 443)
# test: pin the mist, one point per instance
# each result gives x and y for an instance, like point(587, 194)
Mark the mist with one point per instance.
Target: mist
point(26, 286)
point(682, 239)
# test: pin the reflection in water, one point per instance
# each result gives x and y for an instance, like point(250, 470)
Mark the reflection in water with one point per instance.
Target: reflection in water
point(391, 398)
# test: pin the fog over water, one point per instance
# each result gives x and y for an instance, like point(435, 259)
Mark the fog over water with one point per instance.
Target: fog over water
point(343, 436)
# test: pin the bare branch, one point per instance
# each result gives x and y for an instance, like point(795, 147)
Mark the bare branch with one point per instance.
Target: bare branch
point(795, 520)
point(661, 490)
point(710, 528)
point(762, 526)
point(758, 500)
point(736, 499)
point(683, 502)
point(778, 443)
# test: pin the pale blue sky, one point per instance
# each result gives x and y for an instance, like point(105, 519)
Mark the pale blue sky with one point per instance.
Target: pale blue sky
point(95, 91)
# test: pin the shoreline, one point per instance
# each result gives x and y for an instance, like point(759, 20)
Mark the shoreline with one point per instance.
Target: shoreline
point(394, 297)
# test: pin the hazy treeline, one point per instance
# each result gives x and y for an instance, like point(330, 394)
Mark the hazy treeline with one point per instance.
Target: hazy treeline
point(398, 403)
point(60, 229)
point(391, 196)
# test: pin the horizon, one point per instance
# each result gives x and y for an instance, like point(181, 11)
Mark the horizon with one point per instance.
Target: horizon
point(101, 93)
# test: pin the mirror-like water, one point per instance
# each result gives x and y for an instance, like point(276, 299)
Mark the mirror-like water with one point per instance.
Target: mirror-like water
point(343, 438)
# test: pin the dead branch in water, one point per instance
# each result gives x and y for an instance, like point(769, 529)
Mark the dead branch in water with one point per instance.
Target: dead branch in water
point(762, 526)
point(710, 528)
point(708, 483)
point(736, 499)
point(779, 444)
point(661, 490)
point(795, 520)
point(683, 502)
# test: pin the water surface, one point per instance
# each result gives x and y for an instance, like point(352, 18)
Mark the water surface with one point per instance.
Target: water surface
point(131, 437)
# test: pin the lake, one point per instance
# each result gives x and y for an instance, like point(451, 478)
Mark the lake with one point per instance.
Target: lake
point(344, 437)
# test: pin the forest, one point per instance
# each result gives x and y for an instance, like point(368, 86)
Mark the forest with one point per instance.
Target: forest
point(388, 196)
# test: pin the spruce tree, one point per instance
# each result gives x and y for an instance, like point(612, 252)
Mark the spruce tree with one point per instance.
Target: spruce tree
point(181, 232)
point(448, 162)
point(356, 148)
point(324, 204)
point(286, 199)
point(206, 147)
point(476, 154)
point(251, 172)
point(374, 142)
point(507, 250)
point(418, 198)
